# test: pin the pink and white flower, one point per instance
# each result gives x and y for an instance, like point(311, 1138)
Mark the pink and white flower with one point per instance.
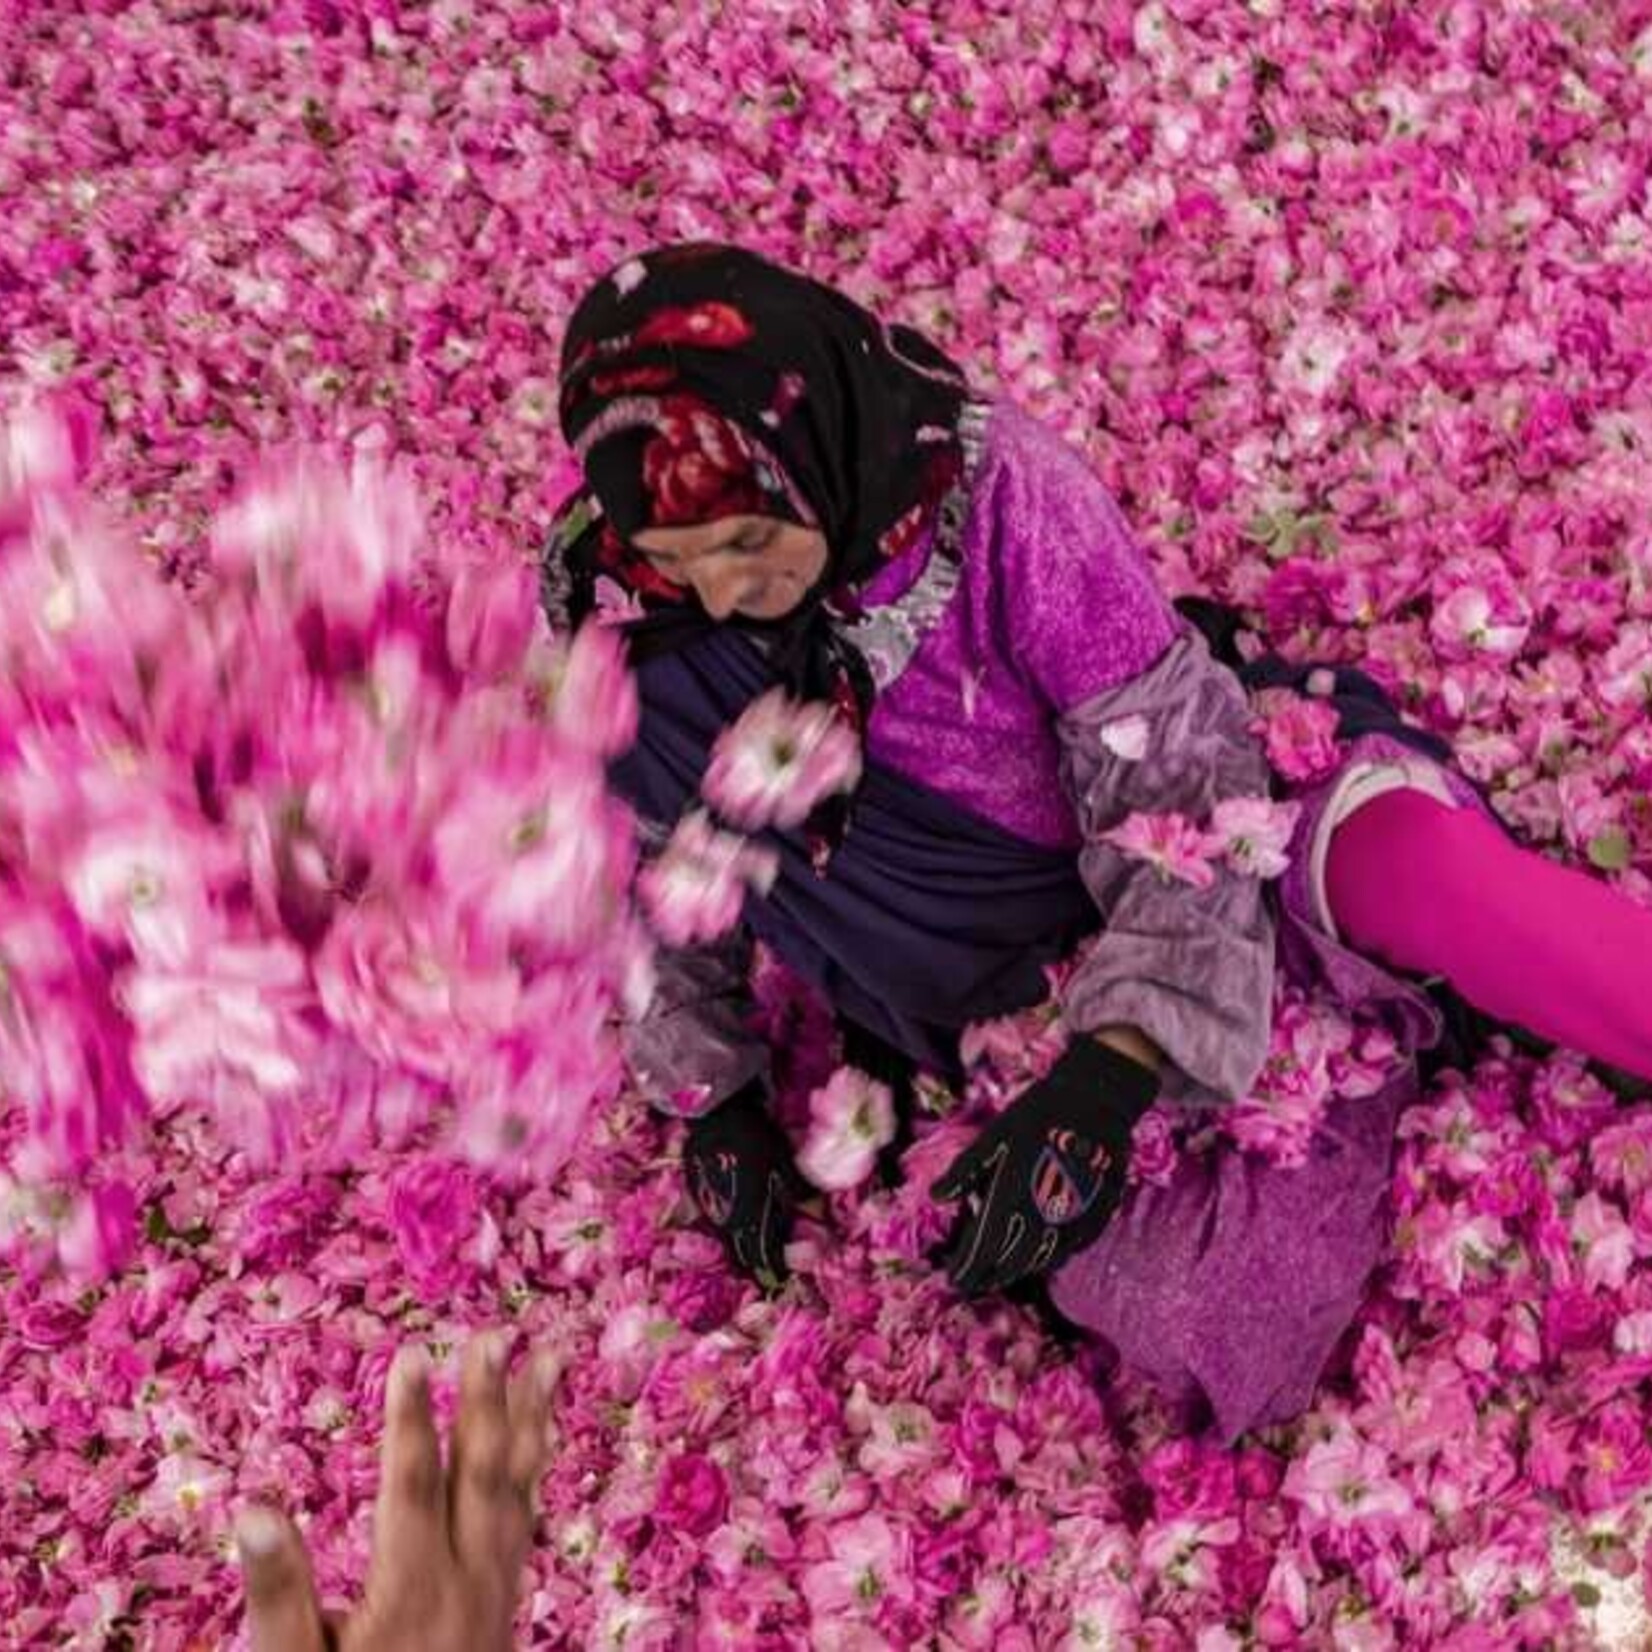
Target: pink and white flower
point(1252, 833)
point(230, 1026)
point(694, 889)
point(1343, 1481)
point(409, 995)
point(591, 698)
point(1170, 843)
point(491, 616)
point(778, 760)
point(869, 1565)
point(305, 534)
point(851, 1120)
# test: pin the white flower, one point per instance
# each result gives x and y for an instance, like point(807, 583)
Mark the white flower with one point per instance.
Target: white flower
point(1313, 356)
point(851, 1118)
point(629, 276)
point(1126, 738)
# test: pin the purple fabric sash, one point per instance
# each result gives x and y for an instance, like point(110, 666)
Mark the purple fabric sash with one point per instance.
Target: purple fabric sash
point(928, 917)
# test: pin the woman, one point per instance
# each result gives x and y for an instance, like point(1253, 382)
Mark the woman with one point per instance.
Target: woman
point(781, 490)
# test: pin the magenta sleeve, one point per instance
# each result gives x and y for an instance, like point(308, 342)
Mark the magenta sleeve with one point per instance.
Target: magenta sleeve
point(1080, 609)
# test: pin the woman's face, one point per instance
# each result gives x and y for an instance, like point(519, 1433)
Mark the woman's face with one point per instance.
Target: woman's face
point(755, 566)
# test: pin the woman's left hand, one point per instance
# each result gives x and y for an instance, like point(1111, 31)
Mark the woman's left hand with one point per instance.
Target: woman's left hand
point(1044, 1178)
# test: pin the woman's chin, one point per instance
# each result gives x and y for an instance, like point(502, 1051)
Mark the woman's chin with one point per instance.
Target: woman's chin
point(770, 613)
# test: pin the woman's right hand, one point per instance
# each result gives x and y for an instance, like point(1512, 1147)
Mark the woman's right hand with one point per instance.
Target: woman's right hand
point(449, 1543)
point(739, 1168)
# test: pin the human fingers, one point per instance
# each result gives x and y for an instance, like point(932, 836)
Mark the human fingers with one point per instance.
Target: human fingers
point(532, 1418)
point(479, 1474)
point(410, 1521)
point(282, 1612)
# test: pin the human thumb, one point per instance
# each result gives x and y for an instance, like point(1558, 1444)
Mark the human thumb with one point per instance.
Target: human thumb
point(282, 1614)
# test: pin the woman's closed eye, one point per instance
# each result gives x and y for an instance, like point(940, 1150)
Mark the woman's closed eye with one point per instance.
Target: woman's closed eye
point(750, 540)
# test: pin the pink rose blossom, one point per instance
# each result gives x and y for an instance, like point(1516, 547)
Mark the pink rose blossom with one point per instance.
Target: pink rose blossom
point(307, 535)
point(230, 1026)
point(851, 1120)
point(146, 881)
point(1251, 834)
point(407, 995)
point(1603, 1242)
point(1344, 1480)
point(694, 890)
point(693, 1495)
point(1626, 670)
point(37, 453)
point(1300, 734)
point(1153, 1154)
point(432, 1207)
point(1313, 356)
point(1478, 619)
point(523, 1109)
point(530, 855)
point(781, 758)
point(1172, 845)
point(615, 605)
point(491, 616)
point(869, 1564)
point(590, 695)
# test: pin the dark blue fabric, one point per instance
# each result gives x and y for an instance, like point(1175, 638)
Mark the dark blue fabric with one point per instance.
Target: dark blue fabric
point(927, 918)
point(1362, 705)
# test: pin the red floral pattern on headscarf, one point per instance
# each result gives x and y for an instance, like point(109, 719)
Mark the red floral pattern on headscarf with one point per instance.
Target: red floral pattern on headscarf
point(699, 468)
point(709, 326)
point(940, 473)
point(786, 399)
point(624, 381)
point(633, 570)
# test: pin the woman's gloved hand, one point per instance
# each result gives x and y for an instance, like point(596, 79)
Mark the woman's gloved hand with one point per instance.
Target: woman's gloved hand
point(741, 1176)
point(1044, 1178)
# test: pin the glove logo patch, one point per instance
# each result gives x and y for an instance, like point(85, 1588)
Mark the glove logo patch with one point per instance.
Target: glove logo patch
point(1067, 1178)
point(712, 1178)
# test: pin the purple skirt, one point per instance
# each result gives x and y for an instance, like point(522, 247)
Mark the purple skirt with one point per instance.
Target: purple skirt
point(1232, 1286)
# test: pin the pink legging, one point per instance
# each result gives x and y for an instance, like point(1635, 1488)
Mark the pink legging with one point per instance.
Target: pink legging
point(1434, 890)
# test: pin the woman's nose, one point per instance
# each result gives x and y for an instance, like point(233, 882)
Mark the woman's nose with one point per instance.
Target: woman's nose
point(718, 591)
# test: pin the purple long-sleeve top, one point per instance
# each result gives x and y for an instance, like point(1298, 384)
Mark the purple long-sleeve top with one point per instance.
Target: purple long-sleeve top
point(1054, 691)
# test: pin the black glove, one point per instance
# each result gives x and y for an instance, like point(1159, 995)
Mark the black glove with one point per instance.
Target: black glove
point(740, 1173)
point(1044, 1178)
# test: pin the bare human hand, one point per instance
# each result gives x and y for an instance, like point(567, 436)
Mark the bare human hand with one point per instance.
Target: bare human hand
point(449, 1542)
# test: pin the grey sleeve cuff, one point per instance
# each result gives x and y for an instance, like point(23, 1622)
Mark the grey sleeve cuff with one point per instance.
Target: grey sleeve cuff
point(694, 1047)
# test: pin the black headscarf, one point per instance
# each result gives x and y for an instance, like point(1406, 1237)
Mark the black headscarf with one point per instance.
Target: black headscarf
point(701, 381)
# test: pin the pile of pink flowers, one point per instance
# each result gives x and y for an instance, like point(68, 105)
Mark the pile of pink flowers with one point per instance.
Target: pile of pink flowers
point(1352, 305)
point(322, 851)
